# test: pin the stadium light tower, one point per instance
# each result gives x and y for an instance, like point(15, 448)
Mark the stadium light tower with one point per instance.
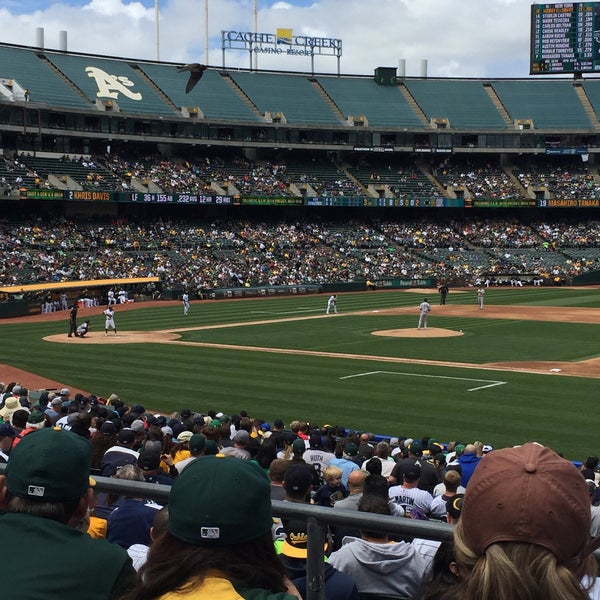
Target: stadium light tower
point(255, 32)
point(156, 19)
point(206, 32)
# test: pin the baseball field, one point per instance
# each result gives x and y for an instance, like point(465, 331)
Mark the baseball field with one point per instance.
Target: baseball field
point(527, 367)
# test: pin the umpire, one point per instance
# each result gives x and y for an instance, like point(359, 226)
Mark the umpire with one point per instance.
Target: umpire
point(444, 289)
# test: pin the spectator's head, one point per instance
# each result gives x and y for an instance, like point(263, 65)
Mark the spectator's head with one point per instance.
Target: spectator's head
point(439, 460)
point(411, 474)
point(36, 420)
point(277, 469)
point(19, 418)
point(459, 449)
point(382, 450)
point(356, 481)
point(295, 544)
point(209, 529)
point(47, 475)
point(470, 449)
point(375, 483)
point(126, 437)
point(315, 440)
point(184, 436)
point(11, 406)
point(351, 449)
point(378, 505)
point(454, 508)
point(297, 482)
point(416, 449)
point(332, 476)
point(298, 447)
point(525, 526)
point(197, 444)
point(241, 439)
point(7, 436)
point(149, 461)
point(137, 425)
point(451, 480)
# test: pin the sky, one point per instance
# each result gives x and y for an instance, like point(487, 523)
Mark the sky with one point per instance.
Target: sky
point(456, 38)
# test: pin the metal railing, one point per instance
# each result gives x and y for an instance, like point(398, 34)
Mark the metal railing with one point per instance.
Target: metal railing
point(318, 519)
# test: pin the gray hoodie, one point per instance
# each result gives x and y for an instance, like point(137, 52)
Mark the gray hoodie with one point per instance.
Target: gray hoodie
point(394, 568)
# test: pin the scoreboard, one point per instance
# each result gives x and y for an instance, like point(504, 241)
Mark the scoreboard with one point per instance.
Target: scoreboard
point(565, 38)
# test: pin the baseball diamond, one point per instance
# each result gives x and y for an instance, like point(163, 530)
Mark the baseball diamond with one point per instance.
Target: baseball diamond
point(523, 369)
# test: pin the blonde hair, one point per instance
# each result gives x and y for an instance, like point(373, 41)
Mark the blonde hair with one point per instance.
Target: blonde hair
point(518, 571)
point(330, 473)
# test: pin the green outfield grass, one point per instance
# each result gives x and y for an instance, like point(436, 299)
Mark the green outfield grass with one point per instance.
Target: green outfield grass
point(391, 398)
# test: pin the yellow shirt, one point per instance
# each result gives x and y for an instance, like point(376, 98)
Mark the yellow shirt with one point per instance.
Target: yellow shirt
point(221, 588)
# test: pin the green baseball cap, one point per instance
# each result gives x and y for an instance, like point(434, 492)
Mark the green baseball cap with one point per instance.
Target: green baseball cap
point(220, 501)
point(50, 465)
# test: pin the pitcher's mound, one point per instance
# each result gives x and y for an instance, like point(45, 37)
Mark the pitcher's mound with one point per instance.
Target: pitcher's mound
point(125, 337)
point(413, 332)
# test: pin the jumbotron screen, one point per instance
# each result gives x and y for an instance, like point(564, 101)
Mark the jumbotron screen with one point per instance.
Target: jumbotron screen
point(565, 38)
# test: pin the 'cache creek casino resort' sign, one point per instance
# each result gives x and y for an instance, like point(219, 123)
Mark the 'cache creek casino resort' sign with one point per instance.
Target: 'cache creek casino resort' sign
point(283, 43)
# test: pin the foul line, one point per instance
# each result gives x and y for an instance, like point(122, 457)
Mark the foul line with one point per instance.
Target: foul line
point(490, 382)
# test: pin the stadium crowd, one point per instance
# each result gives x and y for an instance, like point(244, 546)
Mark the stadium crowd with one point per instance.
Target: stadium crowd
point(220, 468)
point(274, 176)
point(244, 252)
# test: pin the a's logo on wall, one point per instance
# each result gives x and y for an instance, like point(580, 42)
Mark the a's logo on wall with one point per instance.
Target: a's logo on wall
point(284, 36)
point(110, 86)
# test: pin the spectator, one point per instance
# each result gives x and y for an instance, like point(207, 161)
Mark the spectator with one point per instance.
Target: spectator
point(366, 449)
point(382, 453)
point(46, 493)
point(595, 510)
point(211, 545)
point(280, 435)
point(131, 520)
point(451, 483)
point(120, 454)
point(277, 470)
point(241, 441)
point(297, 482)
point(7, 438)
point(377, 485)
point(442, 579)
point(468, 461)
point(293, 550)
point(356, 481)
point(428, 474)
point(440, 488)
point(11, 406)
point(378, 565)
point(408, 495)
point(332, 490)
point(316, 456)
point(139, 552)
point(351, 451)
point(525, 528)
point(197, 446)
point(149, 464)
point(298, 449)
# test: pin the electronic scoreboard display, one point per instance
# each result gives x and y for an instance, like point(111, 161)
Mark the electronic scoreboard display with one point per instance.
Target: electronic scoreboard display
point(565, 38)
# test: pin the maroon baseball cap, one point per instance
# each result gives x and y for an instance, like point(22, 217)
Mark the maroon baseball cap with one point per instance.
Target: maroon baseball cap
point(528, 494)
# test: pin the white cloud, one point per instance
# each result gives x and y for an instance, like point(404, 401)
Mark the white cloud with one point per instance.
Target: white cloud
point(468, 38)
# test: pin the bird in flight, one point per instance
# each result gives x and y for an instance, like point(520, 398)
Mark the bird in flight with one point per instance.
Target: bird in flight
point(196, 71)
